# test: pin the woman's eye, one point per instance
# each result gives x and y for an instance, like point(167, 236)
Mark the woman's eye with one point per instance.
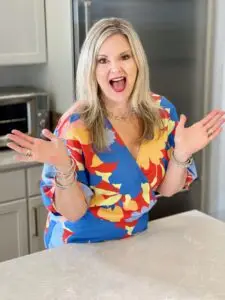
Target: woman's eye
point(102, 61)
point(125, 56)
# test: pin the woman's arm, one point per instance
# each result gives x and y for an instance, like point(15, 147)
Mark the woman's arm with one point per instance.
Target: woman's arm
point(70, 201)
point(187, 141)
point(175, 177)
point(62, 192)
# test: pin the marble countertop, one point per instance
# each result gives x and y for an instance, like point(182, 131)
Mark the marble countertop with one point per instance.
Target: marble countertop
point(178, 257)
point(7, 161)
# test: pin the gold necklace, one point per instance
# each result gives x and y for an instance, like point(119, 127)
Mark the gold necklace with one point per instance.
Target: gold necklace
point(122, 117)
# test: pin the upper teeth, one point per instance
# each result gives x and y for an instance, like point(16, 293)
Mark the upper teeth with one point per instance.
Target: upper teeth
point(117, 79)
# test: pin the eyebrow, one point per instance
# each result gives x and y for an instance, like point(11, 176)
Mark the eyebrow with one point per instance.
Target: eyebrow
point(124, 52)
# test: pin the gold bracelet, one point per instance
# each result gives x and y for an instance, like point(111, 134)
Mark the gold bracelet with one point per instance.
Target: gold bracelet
point(185, 164)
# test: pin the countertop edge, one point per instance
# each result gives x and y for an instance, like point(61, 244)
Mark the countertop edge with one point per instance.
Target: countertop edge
point(8, 163)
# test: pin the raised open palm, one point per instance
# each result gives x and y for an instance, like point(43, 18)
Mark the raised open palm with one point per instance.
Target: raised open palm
point(189, 140)
point(28, 148)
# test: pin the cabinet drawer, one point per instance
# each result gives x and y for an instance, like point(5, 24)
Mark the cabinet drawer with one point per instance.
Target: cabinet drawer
point(33, 180)
point(12, 185)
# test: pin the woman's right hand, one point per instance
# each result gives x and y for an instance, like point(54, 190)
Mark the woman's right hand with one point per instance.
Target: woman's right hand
point(52, 151)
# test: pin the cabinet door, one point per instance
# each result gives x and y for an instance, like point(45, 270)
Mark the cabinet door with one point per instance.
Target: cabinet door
point(37, 221)
point(12, 185)
point(13, 229)
point(33, 180)
point(22, 32)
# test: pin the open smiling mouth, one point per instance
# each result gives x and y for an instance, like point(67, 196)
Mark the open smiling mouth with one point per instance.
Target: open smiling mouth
point(118, 84)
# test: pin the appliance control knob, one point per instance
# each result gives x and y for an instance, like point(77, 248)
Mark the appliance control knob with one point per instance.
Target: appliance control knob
point(43, 123)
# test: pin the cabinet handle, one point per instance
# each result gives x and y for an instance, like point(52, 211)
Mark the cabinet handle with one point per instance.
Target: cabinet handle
point(36, 231)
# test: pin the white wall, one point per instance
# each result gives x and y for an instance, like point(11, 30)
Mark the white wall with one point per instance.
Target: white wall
point(221, 141)
point(215, 195)
point(14, 75)
point(58, 76)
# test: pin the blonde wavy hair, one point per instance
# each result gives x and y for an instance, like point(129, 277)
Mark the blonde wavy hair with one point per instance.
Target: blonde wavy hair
point(87, 89)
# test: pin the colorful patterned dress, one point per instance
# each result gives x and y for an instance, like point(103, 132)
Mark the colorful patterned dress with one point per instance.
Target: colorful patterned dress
point(120, 190)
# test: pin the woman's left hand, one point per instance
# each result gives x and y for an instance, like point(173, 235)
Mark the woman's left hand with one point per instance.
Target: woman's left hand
point(189, 140)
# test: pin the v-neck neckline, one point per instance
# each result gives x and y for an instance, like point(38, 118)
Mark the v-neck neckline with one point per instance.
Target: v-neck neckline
point(124, 144)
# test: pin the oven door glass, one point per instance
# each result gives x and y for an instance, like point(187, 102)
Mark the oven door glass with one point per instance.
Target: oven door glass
point(13, 116)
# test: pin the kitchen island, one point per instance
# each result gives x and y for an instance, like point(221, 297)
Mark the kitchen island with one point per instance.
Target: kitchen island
point(178, 257)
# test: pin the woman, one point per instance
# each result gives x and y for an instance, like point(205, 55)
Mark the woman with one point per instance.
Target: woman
point(116, 147)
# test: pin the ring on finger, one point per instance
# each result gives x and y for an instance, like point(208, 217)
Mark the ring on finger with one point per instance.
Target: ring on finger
point(210, 132)
point(28, 153)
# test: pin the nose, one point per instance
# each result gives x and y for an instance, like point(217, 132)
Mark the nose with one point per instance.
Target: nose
point(115, 67)
point(114, 70)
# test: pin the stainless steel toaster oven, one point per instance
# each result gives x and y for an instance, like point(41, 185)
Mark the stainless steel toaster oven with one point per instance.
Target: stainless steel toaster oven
point(23, 108)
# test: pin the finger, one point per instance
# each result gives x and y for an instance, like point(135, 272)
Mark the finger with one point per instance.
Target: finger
point(210, 116)
point(217, 125)
point(48, 134)
point(23, 135)
point(19, 157)
point(17, 148)
point(215, 134)
point(183, 120)
point(214, 120)
point(18, 140)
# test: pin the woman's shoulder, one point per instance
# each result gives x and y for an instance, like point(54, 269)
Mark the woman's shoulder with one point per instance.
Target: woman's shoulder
point(166, 108)
point(70, 121)
point(162, 102)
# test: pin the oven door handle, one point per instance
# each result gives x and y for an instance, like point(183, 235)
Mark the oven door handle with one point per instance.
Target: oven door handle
point(87, 18)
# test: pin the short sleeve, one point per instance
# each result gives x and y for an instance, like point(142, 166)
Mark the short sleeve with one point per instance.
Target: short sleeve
point(65, 130)
point(172, 124)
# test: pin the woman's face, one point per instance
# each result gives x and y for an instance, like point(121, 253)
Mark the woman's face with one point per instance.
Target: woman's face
point(116, 69)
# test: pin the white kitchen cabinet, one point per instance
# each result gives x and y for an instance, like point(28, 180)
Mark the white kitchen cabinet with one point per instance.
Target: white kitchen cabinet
point(22, 32)
point(13, 229)
point(37, 221)
point(22, 213)
point(37, 211)
point(12, 185)
point(33, 180)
